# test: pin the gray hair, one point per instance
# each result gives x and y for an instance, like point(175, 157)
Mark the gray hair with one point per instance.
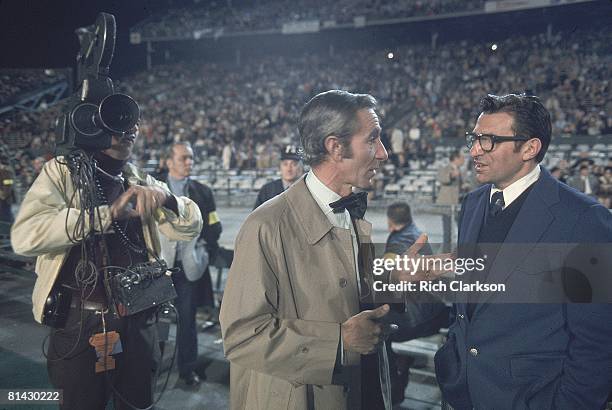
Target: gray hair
point(329, 113)
point(169, 152)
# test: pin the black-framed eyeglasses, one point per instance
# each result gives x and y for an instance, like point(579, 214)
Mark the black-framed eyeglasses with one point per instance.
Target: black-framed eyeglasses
point(487, 141)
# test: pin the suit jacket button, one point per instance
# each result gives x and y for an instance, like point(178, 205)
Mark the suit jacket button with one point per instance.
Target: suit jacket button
point(342, 282)
point(461, 316)
point(304, 349)
point(474, 351)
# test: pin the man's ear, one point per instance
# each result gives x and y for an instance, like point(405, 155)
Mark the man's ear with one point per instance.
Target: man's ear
point(531, 148)
point(334, 148)
point(167, 162)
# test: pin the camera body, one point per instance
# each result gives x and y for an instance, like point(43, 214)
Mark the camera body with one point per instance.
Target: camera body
point(141, 287)
point(95, 112)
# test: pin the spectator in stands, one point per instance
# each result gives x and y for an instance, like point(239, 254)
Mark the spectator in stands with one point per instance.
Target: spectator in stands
point(271, 15)
point(290, 170)
point(605, 188)
point(228, 154)
point(585, 181)
point(415, 132)
point(397, 146)
point(6, 194)
point(555, 172)
point(423, 82)
point(192, 283)
point(37, 165)
point(451, 180)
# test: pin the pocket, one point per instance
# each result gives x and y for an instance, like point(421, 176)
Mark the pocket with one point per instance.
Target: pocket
point(538, 377)
point(73, 340)
point(543, 258)
point(268, 392)
point(537, 365)
point(446, 361)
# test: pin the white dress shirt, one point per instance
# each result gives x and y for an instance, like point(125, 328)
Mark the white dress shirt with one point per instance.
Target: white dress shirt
point(515, 189)
point(324, 196)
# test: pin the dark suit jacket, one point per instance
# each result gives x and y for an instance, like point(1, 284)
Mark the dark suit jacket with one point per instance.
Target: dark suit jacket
point(577, 183)
point(202, 195)
point(530, 356)
point(269, 191)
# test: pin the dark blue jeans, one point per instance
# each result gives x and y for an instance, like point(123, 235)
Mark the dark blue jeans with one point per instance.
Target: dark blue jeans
point(186, 334)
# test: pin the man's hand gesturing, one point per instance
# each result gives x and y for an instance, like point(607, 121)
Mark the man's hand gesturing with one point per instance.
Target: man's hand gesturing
point(138, 201)
point(427, 270)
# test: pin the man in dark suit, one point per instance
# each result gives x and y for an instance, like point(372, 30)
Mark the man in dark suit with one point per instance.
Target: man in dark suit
point(193, 283)
point(584, 181)
point(290, 169)
point(524, 355)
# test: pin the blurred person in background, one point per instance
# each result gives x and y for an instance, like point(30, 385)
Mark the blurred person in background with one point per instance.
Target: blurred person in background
point(451, 180)
point(7, 196)
point(584, 181)
point(193, 282)
point(397, 146)
point(291, 169)
point(414, 320)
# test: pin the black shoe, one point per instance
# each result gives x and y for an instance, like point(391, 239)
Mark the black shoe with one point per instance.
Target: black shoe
point(191, 379)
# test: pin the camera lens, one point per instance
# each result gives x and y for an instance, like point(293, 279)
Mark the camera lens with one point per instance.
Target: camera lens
point(82, 119)
point(118, 113)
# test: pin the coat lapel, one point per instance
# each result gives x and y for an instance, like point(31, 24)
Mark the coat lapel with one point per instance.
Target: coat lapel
point(316, 226)
point(531, 223)
point(473, 221)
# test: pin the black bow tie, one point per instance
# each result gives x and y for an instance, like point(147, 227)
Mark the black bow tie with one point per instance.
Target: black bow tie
point(355, 203)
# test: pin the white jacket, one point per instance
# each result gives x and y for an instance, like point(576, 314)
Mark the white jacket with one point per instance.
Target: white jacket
point(42, 223)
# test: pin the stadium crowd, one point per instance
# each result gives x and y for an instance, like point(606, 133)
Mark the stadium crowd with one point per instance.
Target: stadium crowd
point(15, 82)
point(272, 14)
point(240, 115)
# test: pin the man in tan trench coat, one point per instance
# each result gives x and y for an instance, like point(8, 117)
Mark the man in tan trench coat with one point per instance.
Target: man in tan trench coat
point(290, 317)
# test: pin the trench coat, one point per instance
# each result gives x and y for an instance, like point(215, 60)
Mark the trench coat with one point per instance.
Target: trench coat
point(291, 285)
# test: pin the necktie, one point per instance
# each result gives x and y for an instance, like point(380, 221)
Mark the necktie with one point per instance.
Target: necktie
point(497, 203)
point(355, 203)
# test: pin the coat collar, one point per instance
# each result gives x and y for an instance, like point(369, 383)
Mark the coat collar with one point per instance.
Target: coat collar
point(310, 216)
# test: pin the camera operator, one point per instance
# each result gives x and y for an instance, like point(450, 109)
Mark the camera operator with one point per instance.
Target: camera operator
point(49, 225)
